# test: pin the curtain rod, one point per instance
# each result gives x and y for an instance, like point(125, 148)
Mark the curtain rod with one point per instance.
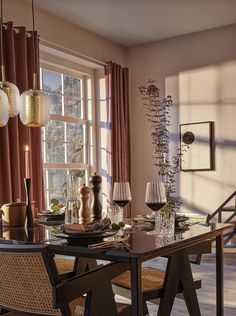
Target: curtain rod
point(66, 50)
point(71, 51)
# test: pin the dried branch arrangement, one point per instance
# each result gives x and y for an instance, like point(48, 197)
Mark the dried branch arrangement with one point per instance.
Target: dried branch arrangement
point(158, 113)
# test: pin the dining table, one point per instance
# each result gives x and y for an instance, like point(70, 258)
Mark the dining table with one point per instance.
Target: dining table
point(141, 247)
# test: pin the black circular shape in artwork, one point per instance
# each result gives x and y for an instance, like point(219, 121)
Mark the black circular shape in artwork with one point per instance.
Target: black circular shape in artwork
point(188, 138)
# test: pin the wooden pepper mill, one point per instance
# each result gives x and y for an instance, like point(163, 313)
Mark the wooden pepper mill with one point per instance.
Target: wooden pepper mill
point(96, 206)
point(84, 211)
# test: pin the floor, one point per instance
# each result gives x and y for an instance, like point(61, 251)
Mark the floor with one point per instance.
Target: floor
point(206, 272)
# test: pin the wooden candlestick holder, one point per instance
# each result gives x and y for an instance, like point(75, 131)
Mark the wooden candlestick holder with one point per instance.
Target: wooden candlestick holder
point(29, 214)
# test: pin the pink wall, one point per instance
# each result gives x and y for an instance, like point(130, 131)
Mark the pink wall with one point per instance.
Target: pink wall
point(62, 33)
point(166, 61)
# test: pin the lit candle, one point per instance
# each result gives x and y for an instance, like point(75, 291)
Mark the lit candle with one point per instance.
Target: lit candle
point(27, 167)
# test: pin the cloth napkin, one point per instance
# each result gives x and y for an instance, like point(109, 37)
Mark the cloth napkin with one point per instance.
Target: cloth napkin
point(73, 228)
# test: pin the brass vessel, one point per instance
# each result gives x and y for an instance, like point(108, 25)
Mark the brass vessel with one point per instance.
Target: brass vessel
point(13, 214)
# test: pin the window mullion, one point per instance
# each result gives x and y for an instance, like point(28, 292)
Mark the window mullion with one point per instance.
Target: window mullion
point(63, 95)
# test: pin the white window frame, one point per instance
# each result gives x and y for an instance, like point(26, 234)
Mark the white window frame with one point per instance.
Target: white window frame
point(101, 124)
point(89, 74)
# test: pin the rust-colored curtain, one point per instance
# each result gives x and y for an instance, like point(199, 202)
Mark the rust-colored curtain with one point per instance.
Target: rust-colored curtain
point(14, 136)
point(117, 89)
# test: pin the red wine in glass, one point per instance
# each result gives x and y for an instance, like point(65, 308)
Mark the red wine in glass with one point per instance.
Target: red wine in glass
point(155, 197)
point(121, 203)
point(155, 206)
point(121, 194)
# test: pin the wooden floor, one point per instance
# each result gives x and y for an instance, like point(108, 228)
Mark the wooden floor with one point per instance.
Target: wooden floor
point(206, 272)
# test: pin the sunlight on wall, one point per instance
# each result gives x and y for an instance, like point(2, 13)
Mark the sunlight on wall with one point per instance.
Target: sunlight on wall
point(207, 94)
point(199, 86)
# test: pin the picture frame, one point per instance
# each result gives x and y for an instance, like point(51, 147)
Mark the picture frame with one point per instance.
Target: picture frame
point(197, 146)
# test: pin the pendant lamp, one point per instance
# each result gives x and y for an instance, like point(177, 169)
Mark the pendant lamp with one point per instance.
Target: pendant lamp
point(34, 104)
point(9, 88)
point(4, 112)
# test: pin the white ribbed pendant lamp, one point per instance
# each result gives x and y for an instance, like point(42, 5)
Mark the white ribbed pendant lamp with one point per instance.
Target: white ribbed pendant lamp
point(34, 104)
point(4, 112)
point(9, 88)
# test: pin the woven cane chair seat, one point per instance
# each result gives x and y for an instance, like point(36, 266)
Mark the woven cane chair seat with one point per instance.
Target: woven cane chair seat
point(64, 265)
point(152, 279)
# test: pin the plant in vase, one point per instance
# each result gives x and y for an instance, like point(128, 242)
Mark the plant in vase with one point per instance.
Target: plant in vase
point(56, 207)
point(158, 113)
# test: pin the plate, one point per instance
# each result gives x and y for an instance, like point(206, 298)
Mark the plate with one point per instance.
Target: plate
point(50, 222)
point(179, 218)
point(50, 216)
point(85, 238)
point(87, 233)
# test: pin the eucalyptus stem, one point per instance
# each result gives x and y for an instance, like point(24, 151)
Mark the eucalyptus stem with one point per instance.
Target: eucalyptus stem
point(158, 114)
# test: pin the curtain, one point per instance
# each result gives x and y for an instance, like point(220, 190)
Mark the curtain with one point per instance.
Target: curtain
point(117, 93)
point(18, 55)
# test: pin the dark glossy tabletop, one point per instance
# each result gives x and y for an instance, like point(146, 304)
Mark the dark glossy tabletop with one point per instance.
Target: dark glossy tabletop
point(141, 244)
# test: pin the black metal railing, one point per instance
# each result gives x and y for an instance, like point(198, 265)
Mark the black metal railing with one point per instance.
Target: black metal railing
point(223, 209)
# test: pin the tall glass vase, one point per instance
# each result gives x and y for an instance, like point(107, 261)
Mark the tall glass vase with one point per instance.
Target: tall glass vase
point(72, 201)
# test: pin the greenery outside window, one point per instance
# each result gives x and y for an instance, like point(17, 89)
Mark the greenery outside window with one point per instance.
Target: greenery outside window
point(67, 139)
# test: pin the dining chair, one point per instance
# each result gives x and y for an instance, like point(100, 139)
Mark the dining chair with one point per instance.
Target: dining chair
point(152, 286)
point(31, 285)
point(152, 279)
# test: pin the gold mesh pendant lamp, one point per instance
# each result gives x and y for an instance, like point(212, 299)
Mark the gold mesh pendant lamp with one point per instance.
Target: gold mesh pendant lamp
point(34, 104)
point(9, 88)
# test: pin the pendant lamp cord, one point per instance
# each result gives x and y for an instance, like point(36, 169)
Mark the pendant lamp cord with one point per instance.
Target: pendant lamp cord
point(2, 57)
point(34, 50)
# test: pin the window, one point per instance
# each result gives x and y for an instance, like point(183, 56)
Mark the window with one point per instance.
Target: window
point(67, 139)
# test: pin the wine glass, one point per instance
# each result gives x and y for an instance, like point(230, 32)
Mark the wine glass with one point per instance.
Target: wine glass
point(155, 199)
point(121, 194)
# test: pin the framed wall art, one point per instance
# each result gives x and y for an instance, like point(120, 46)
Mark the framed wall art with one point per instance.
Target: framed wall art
point(197, 146)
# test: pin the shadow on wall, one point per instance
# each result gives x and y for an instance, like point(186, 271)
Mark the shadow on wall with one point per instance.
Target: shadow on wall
point(189, 206)
point(206, 94)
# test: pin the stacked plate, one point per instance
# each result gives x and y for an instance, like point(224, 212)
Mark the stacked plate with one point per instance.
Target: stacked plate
point(86, 237)
point(181, 223)
point(47, 217)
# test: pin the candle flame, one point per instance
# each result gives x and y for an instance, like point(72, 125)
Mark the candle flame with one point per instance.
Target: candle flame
point(26, 148)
